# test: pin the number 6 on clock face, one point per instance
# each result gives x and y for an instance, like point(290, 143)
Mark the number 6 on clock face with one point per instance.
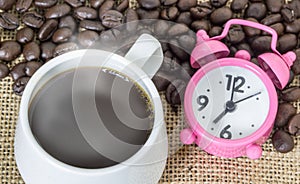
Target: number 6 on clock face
point(230, 102)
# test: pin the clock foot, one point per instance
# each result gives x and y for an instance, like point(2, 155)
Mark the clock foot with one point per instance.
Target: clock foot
point(253, 151)
point(187, 136)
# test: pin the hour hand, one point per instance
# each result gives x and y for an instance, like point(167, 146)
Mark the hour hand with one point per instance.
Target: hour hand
point(220, 116)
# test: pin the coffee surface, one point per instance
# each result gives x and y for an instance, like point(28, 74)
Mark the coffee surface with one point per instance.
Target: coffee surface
point(61, 119)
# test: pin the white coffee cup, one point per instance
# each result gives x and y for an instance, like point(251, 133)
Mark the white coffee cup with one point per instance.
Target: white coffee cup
point(145, 166)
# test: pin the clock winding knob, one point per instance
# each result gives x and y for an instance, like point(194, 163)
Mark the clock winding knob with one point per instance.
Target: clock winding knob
point(243, 54)
point(289, 58)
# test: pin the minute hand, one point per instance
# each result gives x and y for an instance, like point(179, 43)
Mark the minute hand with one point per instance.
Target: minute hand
point(247, 97)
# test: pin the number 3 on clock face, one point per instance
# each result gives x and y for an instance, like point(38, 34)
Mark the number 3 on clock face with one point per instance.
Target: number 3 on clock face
point(230, 102)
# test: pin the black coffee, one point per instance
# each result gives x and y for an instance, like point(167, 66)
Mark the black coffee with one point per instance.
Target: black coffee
point(61, 124)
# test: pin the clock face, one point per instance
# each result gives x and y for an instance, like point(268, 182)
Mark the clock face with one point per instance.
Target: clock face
point(230, 102)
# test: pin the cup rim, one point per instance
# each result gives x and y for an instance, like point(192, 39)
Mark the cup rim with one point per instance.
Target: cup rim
point(24, 107)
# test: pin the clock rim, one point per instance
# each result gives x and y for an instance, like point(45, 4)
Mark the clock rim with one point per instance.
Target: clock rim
point(259, 133)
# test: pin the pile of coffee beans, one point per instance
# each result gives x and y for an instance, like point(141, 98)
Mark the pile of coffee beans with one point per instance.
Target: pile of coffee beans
point(50, 28)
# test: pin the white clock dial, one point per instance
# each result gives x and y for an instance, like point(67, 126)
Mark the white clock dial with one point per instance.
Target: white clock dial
point(230, 102)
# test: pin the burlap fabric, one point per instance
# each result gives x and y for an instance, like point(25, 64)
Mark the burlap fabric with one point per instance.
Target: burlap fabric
point(186, 164)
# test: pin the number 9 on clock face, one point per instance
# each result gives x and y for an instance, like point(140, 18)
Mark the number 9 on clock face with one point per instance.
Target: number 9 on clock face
point(230, 102)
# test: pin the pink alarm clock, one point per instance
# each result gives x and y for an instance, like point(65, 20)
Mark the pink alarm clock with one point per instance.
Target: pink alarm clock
point(230, 103)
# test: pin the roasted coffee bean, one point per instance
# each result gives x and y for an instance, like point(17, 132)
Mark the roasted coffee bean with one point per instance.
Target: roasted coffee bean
point(274, 6)
point(278, 27)
point(178, 50)
point(271, 19)
point(19, 85)
point(109, 36)
point(221, 15)
point(186, 5)
point(150, 14)
point(215, 31)
point(284, 113)
point(184, 18)
point(69, 22)
point(123, 6)
point(186, 71)
point(47, 29)
point(43, 4)
point(96, 3)
point(162, 80)
point(8, 21)
point(107, 5)
point(64, 48)
point(256, 10)
point(288, 15)
point(293, 27)
point(111, 18)
point(149, 4)
point(282, 141)
point(4, 70)
point(202, 10)
point(168, 2)
point(31, 67)
point(169, 13)
point(130, 16)
point(7, 4)
point(218, 3)
point(91, 25)
point(85, 13)
point(31, 51)
point(47, 50)
point(246, 47)
point(232, 50)
point(292, 77)
point(164, 45)
point(87, 38)
point(261, 44)
point(144, 30)
point(18, 71)
point(75, 3)
point(254, 61)
point(294, 6)
point(287, 42)
point(175, 92)
point(201, 24)
point(177, 29)
point(23, 5)
point(33, 19)
point(161, 28)
point(294, 125)
point(9, 50)
point(290, 94)
point(235, 34)
point(296, 65)
point(62, 35)
point(187, 42)
point(249, 31)
point(170, 63)
point(238, 5)
point(57, 11)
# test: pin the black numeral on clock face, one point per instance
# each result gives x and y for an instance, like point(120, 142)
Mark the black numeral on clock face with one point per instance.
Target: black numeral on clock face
point(225, 133)
point(202, 100)
point(238, 82)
